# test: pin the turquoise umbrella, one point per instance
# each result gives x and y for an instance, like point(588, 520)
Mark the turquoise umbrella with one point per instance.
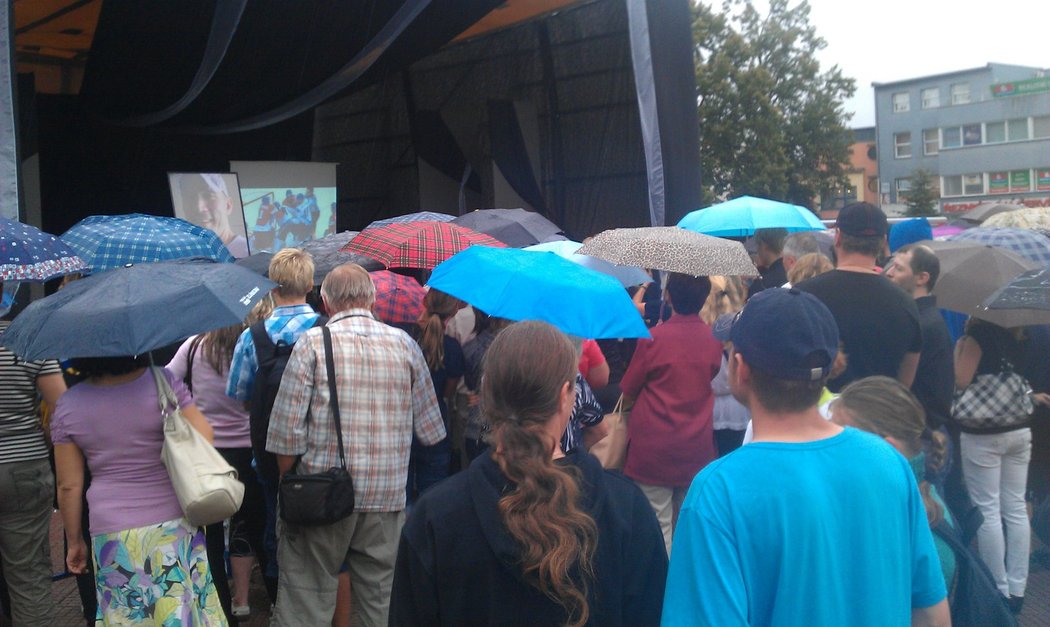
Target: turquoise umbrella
point(742, 216)
point(528, 285)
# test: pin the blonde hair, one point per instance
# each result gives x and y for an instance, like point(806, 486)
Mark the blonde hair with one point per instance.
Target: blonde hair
point(808, 266)
point(727, 296)
point(292, 269)
point(348, 286)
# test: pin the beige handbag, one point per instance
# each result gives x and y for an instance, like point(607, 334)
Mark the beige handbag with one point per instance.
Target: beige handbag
point(205, 484)
point(611, 450)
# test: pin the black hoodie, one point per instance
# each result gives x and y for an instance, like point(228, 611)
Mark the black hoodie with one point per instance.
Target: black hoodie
point(457, 565)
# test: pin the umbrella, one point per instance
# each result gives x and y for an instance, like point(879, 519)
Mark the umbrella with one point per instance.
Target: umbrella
point(105, 242)
point(1025, 243)
point(398, 298)
point(628, 276)
point(742, 216)
point(982, 212)
point(416, 244)
point(513, 227)
point(672, 249)
point(419, 216)
point(528, 285)
point(1030, 290)
point(945, 230)
point(1027, 218)
point(133, 310)
point(328, 254)
point(29, 254)
point(971, 272)
point(259, 263)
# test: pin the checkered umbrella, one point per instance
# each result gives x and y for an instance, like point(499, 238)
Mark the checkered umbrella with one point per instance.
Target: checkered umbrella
point(106, 242)
point(419, 216)
point(1026, 243)
point(398, 298)
point(416, 244)
point(29, 254)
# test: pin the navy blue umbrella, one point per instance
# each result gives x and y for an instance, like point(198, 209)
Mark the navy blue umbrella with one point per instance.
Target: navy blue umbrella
point(133, 310)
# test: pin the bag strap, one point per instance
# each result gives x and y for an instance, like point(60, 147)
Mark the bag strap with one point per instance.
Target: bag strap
point(264, 346)
point(165, 395)
point(333, 399)
point(194, 345)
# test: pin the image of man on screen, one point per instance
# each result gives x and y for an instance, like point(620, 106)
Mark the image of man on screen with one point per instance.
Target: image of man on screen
point(206, 202)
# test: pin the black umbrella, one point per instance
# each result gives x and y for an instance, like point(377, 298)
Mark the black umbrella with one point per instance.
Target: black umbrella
point(135, 309)
point(327, 255)
point(259, 263)
point(1029, 291)
point(516, 228)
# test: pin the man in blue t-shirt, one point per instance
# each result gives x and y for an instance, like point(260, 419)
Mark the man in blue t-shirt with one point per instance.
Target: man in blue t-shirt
point(810, 524)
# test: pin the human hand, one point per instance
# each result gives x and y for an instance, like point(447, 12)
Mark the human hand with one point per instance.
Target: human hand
point(1041, 397)
point(473, 400)
point(76, 557)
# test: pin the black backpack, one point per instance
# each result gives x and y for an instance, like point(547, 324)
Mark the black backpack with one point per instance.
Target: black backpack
point(272, 359)
point(974, 598)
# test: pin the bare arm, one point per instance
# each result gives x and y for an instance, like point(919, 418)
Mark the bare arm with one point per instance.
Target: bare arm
point(592, 434)
point(285, 463)
point(967, 357)
point(598, 376)
point(934, 616)
point(69, 468)
point(909, 366)
point(51, 386)
point(199, 422)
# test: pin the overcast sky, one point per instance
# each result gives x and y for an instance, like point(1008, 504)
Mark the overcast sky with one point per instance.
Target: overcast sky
point(891, 40)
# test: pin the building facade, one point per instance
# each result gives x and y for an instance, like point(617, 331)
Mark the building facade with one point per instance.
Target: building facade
point(983, 133)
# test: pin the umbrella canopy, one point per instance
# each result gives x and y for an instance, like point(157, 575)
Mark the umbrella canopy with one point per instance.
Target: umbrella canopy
point(398, 298)
point(1027, 218)
point(513, 227)
point(529, 285)
point(29, 254)
point(1029, 291)
point(133, 310)
point(416, 244)
point(328, 254)
point(971, 272)
point(982, 212)
point(671, 249)
point(259, 263)
point(627, 276)
point(945, 230)
point(419, 216)
point(1030, 245)
point(106, 242)
point(742, 216)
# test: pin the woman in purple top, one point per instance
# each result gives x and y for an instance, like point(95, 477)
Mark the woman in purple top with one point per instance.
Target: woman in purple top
point(151, 565)
point(203, 363)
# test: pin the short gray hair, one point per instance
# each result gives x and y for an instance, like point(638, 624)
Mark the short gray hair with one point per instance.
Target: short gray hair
point(348, 286)
point(798, 244)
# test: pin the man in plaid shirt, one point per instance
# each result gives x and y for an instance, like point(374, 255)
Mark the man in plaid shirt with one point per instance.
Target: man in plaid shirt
point(385, 394)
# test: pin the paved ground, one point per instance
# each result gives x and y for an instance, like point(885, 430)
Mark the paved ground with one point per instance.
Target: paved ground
point(67, 603)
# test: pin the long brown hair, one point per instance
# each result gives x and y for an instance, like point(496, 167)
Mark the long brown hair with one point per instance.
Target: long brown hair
point(217, 346)
point(438, 307)
point(526, 369)
point(883, 406)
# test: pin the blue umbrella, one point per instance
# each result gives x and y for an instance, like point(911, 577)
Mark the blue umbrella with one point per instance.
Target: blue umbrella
point(133, 310)
point(29, 254)
point(743, 216)
point(628, 276)
point(529, 285)
point(419, 216)
point(105, 242)
point(1028, 244)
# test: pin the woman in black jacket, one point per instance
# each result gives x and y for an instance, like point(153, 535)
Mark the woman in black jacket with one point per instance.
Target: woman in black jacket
point(529, 535)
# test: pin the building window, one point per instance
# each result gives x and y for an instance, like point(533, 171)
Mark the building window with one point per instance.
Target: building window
point(971, 134)
point(994, 132)
point(901, 103)
point(1017, 130)
point(1020, 181)
point(931, 141)
point(903, 187)
point(951, 137)
point(902, 145)
point(951, 185)
point(973, 184)
point(931, 98)
point(998, 182)
point(1041, 126)
point(960, 93)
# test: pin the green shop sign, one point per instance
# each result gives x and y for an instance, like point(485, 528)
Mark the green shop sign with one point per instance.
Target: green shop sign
point(1021, 88)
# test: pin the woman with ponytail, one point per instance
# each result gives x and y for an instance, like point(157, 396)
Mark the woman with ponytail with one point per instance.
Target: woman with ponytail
point(883, 406)
point(529, 535)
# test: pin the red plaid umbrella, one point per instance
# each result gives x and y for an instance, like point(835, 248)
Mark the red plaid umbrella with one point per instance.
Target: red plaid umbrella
point(416, 244)
point(398, 298)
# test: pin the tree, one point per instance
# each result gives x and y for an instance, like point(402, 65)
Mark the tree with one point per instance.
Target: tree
point(772, 124)
point(922, 197)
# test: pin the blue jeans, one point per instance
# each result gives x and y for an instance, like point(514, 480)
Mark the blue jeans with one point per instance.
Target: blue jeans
point(427, 466)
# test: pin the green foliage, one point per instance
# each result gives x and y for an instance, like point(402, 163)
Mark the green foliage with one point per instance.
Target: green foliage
point(923, 195)
point(772, 123)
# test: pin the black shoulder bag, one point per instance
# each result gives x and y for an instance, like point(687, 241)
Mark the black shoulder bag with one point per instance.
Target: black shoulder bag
point(326, 497)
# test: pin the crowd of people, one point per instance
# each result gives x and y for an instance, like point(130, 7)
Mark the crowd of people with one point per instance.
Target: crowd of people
point(796, 455)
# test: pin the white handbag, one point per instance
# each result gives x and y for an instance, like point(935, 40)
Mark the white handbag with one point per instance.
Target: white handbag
point(205, 484)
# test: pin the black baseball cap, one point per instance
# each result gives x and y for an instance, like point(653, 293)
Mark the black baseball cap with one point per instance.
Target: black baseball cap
point(862, 219)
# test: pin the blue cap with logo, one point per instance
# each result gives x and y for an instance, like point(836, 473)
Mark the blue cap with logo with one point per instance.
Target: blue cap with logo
point(785, 333)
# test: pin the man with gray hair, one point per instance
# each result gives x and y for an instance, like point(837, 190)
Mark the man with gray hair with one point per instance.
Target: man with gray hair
point(796, 245)
point(384, 394)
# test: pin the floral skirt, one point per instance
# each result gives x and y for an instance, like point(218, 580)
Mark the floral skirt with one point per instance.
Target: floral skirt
point(155, 575)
